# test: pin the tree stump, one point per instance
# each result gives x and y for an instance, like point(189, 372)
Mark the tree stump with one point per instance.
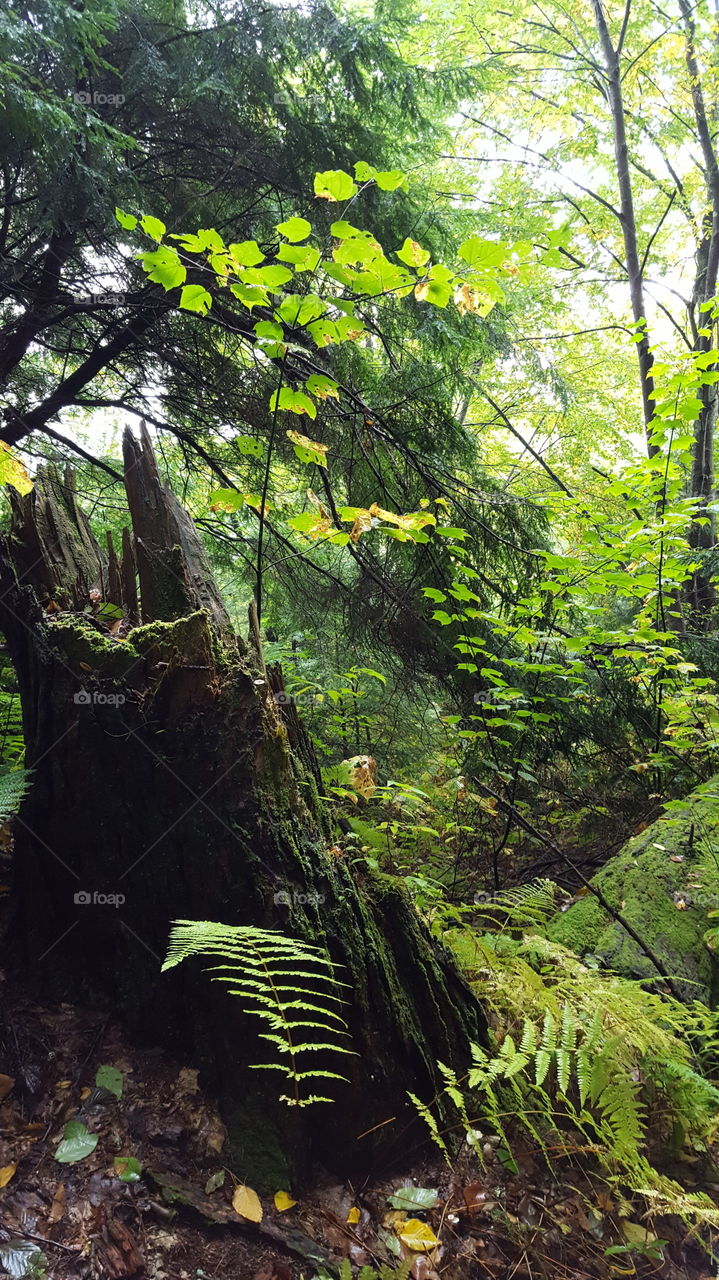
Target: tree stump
point(170, 783)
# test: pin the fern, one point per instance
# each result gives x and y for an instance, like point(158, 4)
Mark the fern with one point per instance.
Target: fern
point(14, 784)
point(591, 1052)
point(527, 906)
point(289, 985)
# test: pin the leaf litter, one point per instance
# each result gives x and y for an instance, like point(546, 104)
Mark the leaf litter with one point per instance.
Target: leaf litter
point(115, 1165)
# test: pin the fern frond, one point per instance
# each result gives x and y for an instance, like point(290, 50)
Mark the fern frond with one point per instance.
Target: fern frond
point(14, 784)
point(256, 967)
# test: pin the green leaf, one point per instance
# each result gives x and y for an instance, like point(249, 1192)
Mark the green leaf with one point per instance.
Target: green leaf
point(295, 228)
point(109, 1078)
point(127, 1168)
point(226, 500)
point(364, 172)
point(205, 239)
point(153, 227)
point(297, 310)
point(126, 220)
point(308, 450)
point(322, 387)
point(344, 230)
point(271, 277)
point(334, 185)
point(248, 447)
point(194, 297)
point(294, 401)
point(268, 329)
point(77, 1143)
point(390, 179)
point(250, 295)
point(506, 1159)
point(414, 1198)
point(413, 254)
point(304, 257)
point(247, 253)
point(163, 267)
point(483, 253)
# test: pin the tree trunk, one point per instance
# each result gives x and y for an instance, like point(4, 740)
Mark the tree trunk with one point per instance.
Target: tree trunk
point(170, 781)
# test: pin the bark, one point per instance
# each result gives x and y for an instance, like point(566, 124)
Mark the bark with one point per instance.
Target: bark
point(613, 78)
point(702, 537)
point(168, 769)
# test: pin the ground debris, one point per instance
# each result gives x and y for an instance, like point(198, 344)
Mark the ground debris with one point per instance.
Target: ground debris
point(152, 1198)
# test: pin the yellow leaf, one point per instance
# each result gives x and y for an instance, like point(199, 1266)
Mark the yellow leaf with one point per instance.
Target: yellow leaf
point(12, 470)
point(6, 1173)
point(362, 523)
point(354, 1215)
point(417, 1236)
point(283, 1201)
point(313, 447)
point(246, 1203)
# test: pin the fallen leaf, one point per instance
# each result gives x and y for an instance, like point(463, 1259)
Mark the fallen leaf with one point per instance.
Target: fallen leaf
point(127, 1168)
point(21, 1258)
point(635, 1233)
point(417, 1236)
point(475, 1197)
point(6, 1173)
point(216, 1135)
point(283, 1201)
point(354, 1215)
point(214, 1181)
point(110, 1079)
point(77, 1143)
point(414, 1198)
point(187, 1080)
point(246, 1203)
point(57, 1207)
point(7, 1084)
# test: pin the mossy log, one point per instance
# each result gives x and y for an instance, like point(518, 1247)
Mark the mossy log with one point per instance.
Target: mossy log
point(168, 782)
point(664, 882)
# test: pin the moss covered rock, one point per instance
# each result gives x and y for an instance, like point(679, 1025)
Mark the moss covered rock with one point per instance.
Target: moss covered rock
point(664, 882)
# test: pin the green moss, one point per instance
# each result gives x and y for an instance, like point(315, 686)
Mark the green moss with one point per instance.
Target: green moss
point(663, 882)
point(166, 639)
point(88, 652)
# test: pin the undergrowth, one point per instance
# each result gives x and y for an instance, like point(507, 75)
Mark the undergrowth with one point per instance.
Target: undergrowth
point(583, 1061)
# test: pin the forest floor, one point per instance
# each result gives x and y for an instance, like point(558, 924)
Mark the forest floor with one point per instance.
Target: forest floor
point(175, 1220)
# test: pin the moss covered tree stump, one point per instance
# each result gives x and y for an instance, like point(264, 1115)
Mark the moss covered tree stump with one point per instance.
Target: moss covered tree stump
point(168, 784)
